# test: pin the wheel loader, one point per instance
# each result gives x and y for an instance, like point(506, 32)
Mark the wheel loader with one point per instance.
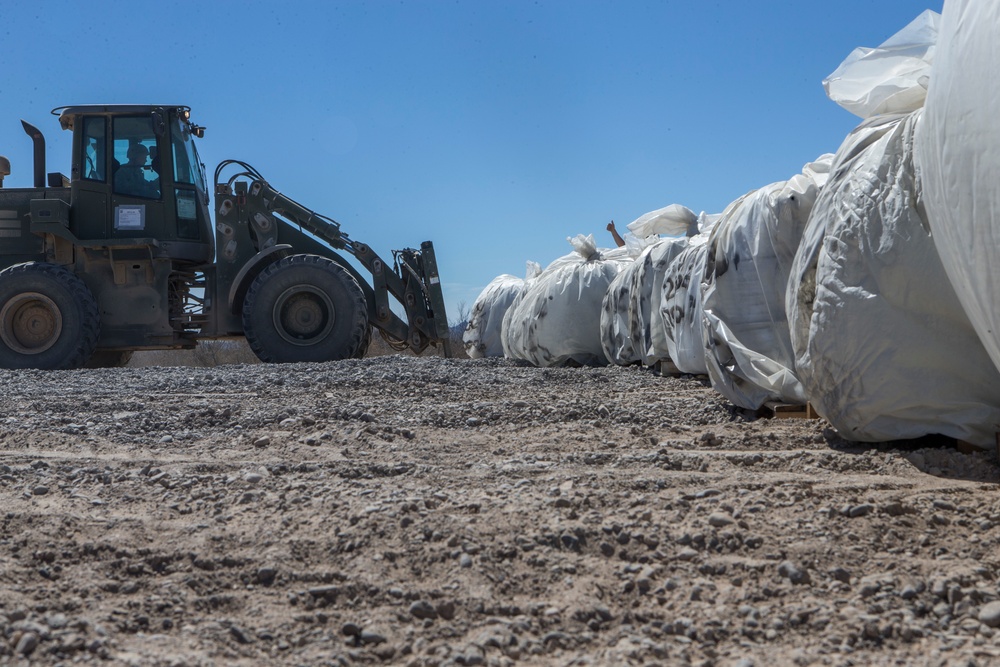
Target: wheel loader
point(123, 255)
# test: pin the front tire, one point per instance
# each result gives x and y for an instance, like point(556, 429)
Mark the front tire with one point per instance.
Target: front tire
point(48, 318)
point(366, 342)
point(305, 308)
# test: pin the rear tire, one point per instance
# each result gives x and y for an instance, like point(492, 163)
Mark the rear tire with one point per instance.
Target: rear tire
point(305, 308)
point(48, 318)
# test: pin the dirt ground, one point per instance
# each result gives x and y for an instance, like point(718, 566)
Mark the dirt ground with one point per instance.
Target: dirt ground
point(425, 511)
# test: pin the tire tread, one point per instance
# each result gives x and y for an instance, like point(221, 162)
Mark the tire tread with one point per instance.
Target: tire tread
point(90, 314)
point(359, 307)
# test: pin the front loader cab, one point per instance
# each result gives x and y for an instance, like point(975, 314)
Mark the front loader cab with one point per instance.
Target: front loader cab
point(116, 257)
point(136, 178)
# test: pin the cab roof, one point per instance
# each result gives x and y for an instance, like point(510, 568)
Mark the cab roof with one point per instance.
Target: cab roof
point(68, 114)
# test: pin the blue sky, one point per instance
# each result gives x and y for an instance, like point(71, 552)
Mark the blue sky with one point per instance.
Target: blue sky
point(494, 129)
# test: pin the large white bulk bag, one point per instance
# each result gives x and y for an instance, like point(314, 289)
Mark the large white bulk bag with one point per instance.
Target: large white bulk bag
point(680, 308)
point(648, 323)
point(891, 78)
point(616, 333)
point(958, 152)
point(748, 350)
point(507, 339)
point(672, 220)
point(558, 318)
point(883, 346)
point(482, 335)
point(632, 329)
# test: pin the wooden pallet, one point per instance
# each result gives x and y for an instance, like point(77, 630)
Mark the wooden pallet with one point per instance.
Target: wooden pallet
point(666, 368)
point(966, 447)
point(969, 448)
point(779, 410)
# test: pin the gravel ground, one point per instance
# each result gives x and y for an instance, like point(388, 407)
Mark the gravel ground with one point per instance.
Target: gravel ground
point(425, 511)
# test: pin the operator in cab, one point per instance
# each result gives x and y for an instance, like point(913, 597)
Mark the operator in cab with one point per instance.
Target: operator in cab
point(130, 179)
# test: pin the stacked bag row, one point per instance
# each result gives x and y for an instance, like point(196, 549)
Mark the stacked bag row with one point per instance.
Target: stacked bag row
point(861, 285)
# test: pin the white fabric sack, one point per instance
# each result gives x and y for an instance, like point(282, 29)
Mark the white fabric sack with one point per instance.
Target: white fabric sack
point(509, 325)
point(585, 249)
point(883, 347)
point(707, 222)
point(958, 154)
point(558, 318)
point(672, 220)
point(482, 336)
point(632, 329)
point(748, 350)
point(616, 334)
point(635, 246)
point(680, 308)
point(649, 326)
point(891, 78)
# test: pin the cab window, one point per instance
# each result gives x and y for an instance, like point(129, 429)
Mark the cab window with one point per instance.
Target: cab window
point(94, 149)
point(136, 161)
point(187, 164)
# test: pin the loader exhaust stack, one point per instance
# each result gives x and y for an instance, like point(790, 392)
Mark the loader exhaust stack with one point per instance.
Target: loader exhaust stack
point(38, 141)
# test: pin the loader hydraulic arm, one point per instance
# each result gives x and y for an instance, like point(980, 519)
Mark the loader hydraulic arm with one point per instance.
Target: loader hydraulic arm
point(412, 280)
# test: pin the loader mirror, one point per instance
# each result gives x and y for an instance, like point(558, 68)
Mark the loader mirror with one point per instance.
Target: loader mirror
point(159, 125)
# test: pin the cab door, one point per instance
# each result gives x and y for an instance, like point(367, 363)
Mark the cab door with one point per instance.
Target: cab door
point(90, 213)
point(137, 203)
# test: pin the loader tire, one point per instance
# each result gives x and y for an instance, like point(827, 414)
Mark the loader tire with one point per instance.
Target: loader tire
point(305, 308)
point(366, 342)
point(48, 318)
